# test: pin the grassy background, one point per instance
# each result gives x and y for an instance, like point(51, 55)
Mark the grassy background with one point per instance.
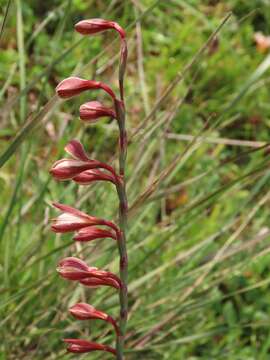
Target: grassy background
point(199, 221)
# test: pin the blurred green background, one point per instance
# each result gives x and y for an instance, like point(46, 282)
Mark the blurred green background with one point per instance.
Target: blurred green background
point(198, 176)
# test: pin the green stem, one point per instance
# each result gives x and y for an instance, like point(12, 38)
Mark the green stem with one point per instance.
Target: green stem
point(123, 209)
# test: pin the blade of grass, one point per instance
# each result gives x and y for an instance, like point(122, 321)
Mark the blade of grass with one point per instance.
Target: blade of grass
point(5, 19)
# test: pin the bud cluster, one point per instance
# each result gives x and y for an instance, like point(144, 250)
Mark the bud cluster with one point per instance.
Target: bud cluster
point(83, 170)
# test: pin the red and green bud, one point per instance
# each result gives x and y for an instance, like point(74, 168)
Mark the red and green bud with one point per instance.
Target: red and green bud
point(73, 86)
point(72, 268)
point(83, 311)
point(90, 176)
point(72, 219)
point(95, 282)
point(95, 26)
point(93, 110)
point(78, 346)
point(67, 169)
point(92, 233)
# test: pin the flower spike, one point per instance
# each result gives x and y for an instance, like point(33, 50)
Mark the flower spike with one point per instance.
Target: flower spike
point(94, 26)
point(83, 170)
point(83, 311)
point(72, 219)
point(73, 86)
point(93, 110)
point(83, 346)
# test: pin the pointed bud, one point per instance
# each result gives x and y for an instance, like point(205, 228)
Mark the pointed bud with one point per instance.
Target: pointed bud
point(93, 110)
point(72, 219)
point(73, 86)
point(67, 169)
point(76, 150)
point(92, 233)
point(72, 268)
point(83, 346)
point(95, 282)
point(83, 311)
point(89, 176)
point(94, 26)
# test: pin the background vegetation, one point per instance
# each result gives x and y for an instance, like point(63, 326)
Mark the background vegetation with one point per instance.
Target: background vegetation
point(198, 169)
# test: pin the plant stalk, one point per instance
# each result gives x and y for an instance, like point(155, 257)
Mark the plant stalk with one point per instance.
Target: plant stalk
point(123, 209)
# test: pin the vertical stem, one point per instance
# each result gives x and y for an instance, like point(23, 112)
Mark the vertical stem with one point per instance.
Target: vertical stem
point(122, 67)
point(123, 209)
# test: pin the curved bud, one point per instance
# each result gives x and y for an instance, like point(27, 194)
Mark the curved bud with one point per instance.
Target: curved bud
point(92, 233)
point(95, 26)
point(76, 150)
point(83, 311)
point(93, 110)
point(73, 86)
point(83, 346)
point(95, 282)
point(72, 268)
point(89, 176)
point(67, 169)
point(72, 219)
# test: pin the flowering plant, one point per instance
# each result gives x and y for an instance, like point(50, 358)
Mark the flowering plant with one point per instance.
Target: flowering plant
point(83, 171)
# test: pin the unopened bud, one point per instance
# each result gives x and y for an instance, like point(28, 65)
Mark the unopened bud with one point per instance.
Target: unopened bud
point(73, 86)
point(93, 110)
point(95, 26)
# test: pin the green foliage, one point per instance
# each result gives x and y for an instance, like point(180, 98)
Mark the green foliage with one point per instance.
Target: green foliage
point(199, 240)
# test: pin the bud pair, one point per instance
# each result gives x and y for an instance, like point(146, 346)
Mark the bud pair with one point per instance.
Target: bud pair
point(92, 110)
point(83, 311)
point(72, 219)
point(78, 346)
point(72, 268)
point(67, 169)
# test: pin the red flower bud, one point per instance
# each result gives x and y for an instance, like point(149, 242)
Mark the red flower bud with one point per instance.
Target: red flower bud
point(72, 219)
point(89, 176)
point(93, 110)
point(83, 346)
point(92, 233)
point(76, 150)
point(94, 26)
point(73, 86)
point(83, 311)
point(72, 268)
point(66, 169)
point(95, 282)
